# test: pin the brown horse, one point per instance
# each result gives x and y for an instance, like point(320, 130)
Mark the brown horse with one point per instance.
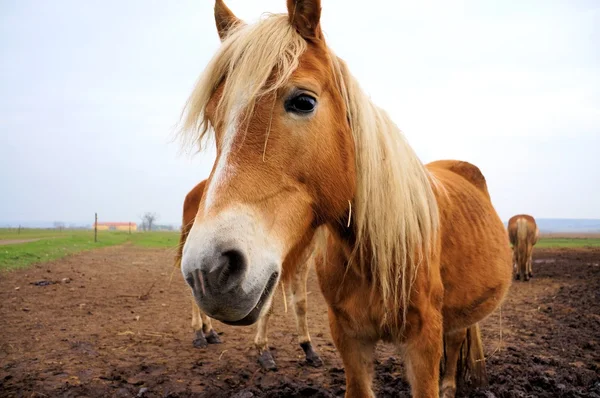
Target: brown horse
point(201, 323)
point(416, 255)
point(523, 234)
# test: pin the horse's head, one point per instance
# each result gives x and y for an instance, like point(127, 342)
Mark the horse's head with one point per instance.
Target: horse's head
point(285, 157)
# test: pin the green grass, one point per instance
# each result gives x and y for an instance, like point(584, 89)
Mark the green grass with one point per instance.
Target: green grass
point(573, 243)
point(155, 239)
point(55, 245)
point(30, 233)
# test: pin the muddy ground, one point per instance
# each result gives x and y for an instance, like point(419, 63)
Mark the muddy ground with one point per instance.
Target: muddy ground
point(119, 326)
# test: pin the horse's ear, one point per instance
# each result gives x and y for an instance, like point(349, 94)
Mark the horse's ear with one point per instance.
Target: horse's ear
point(305, 16)
point(224, 18)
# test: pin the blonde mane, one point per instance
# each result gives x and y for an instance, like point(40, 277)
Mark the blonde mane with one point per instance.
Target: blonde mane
point(394, 209)
point(247, 57)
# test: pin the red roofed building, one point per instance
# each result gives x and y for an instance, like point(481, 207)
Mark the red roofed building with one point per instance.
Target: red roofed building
point(117, 226)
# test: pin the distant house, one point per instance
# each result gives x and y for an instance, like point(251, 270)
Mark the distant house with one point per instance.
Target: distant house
point(117, 226)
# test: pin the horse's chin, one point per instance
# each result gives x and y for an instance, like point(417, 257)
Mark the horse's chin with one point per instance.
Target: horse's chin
point(249, 319)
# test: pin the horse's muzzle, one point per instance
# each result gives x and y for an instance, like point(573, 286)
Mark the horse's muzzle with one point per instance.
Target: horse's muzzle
point(232, 276)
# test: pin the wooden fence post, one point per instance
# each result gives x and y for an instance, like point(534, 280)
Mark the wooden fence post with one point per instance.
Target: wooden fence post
point(96, 227)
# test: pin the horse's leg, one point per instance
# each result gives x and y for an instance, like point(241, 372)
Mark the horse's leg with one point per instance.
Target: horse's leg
point(515, 264)
point(199, 339)
point(525, 262)
point(265, 359)
point(423, 355)
point(522, 264)
point(211, 336)
point(453, 342)
point(357, 356)
point(299, 298)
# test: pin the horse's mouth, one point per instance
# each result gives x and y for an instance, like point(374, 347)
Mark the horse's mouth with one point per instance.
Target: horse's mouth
point(254, 314)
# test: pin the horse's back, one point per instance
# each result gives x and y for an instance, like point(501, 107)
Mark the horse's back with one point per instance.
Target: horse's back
point(467, 170)
point(532, 228)
point(191, 203)
point(475, 254)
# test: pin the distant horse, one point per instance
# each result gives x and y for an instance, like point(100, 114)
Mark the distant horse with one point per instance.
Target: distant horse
point(523, 234)
point(415, 255)
point(201, 323)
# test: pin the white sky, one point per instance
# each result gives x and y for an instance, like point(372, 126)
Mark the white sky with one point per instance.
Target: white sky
point(90, 92)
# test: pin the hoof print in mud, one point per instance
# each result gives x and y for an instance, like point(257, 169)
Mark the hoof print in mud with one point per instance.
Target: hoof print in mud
point(266, 361)
point(200, 340)
point(213, 338)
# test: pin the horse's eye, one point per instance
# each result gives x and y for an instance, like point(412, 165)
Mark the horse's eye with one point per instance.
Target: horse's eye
point(301, 104)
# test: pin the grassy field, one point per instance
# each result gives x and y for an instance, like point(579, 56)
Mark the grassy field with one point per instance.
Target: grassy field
point(556, 242)
point(53, 244)
point(31, 233)
point(56, 244)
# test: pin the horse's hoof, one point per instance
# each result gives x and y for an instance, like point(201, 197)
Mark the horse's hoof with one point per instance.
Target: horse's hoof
point(448, 392)
point(200, 340)
point(213, 337)
point(530, 275)
point(517, 277)
point(266, 361)
point(312, 358)
point(314, 361)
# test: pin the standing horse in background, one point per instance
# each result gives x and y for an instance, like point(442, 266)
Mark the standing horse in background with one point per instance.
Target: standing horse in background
point(523, 234)
point(416, 255)
point(201, 323)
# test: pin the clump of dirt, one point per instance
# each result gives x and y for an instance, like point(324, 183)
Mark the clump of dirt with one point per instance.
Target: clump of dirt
point(121, 328)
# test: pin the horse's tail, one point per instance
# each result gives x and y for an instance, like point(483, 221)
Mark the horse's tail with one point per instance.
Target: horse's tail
point(471, 363)
point(522, 243)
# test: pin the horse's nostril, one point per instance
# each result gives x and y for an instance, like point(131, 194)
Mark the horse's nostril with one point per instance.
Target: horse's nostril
point(219, 273)
point(194, 279)
point(230, 269)
point(235, 260)
point(190, 281)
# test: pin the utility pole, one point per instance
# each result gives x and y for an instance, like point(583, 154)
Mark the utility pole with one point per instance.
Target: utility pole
point(96, 227)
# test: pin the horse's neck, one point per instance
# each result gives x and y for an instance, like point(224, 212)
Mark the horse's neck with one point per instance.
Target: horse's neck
point(345, 241)
point(343, 235)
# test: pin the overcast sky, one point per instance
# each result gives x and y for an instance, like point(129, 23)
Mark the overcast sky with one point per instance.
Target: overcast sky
point(90, 93)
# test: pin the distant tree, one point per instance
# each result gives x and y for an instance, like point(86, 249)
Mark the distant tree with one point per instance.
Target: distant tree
point(148, 220)
point(143, 224)
point(59, 225)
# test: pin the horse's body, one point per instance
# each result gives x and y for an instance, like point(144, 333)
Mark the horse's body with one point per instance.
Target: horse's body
point(201, 323)
point(415, 255)
point(523, 234)
point(465, 285)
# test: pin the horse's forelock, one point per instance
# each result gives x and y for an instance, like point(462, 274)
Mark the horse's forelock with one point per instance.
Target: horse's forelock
point(244, 65)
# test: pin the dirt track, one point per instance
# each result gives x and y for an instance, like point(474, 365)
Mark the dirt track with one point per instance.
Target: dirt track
point(16, 241)
point(95, 336)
